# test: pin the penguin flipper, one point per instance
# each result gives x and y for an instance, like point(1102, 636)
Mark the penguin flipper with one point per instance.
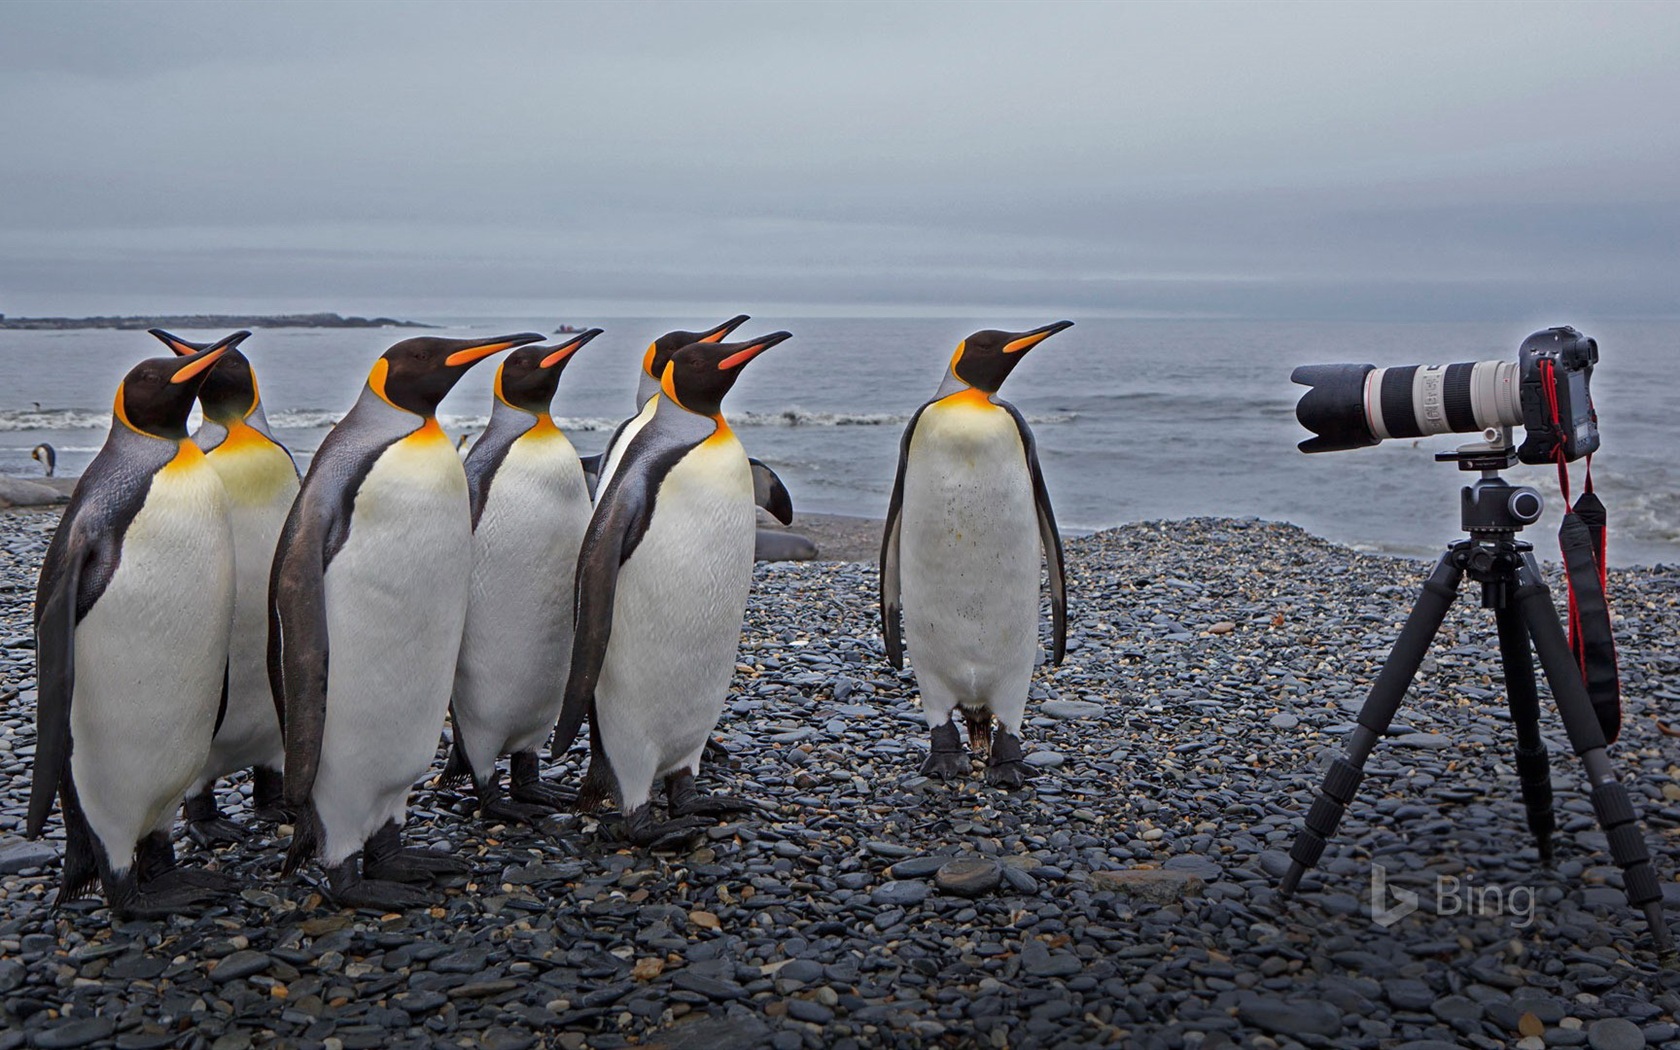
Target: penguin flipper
point(890, 604)
point(1051, 539)
point(55, 656)
point(620, 521)
point(297, 649)
point(770, 493)
point(591, 470)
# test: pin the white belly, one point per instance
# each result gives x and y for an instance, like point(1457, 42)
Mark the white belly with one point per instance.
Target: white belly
point(677, 615)
point(261, 485)
point(517, 645)
point(614, 455)
point(969, 562)
point(150, 656)
point(396, 597)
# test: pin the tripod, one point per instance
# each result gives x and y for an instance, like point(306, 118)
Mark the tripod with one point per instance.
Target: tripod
point(1493, 513)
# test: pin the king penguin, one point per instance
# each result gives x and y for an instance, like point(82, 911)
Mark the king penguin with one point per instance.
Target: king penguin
point(968, 522)
point(366, 604)
point(530, 505)
point(132, 615)
point(662, 582)
point(768, 490)
point(261, 481)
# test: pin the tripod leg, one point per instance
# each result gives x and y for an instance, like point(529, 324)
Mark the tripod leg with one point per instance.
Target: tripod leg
point(1390, 688)
point(1609, 798)
point(1534, 770)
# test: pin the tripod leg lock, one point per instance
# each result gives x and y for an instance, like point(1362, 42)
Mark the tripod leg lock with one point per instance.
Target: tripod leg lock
point(1325, 816)
point(1627, 845)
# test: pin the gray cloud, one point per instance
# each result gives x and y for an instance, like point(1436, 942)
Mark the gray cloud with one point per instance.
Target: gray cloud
point(1257, 160)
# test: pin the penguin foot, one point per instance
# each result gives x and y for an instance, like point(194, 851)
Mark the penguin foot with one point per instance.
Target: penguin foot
point(136, 903)
point(509, 811)
point(385, 857)
point(1007, 766)
point(947, 759)
point(193, 879)
point(267, 794)
point(347, 889)
point(216, 831)
point(542, 794)
point(525, 784)
point(674, 834)
point(686, 800)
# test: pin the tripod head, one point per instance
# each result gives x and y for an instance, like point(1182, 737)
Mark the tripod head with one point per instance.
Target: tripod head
point(1492, 508)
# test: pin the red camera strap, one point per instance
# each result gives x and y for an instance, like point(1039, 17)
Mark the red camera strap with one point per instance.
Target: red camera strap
point(1582, 540)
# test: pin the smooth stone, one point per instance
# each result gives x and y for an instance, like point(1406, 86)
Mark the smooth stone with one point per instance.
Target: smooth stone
point(1428, 741)
point(21, 855)
point(1046, 759)
point(969, 877)
point(900, 894)
point(917, 867)
point(1039, 961)
point(82, 1032)
point(1151, 884)
point(1070, 709)
point(1292, 1017)
point(1615, 1033)
point(777, 545)
point(239, 964)
point(1284, 720)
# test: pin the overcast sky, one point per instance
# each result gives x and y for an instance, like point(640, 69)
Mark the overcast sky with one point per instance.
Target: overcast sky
point(1316, 160)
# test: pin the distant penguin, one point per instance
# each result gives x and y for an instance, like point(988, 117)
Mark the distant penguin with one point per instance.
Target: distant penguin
point(366, 605)
point(463, 443)
point(662, 585)
point(530, 505)
point(261, 481)
point(968, 522)
point(45, 455)
point(132, 617)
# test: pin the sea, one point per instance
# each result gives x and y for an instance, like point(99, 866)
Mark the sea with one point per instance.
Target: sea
point(1135, 419)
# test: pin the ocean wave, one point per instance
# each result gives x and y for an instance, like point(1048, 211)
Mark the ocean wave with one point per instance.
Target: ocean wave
point(799, 417)
point(15, 419)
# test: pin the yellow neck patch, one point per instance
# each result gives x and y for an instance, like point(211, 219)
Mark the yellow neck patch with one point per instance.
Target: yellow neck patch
point(376, 382)
point(188, 456)
point(968, 397)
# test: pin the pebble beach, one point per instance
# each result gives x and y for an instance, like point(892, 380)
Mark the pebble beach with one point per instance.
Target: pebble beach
point(1126, 897)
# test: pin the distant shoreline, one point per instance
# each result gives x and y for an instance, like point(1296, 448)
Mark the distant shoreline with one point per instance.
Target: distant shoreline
point(321, 320)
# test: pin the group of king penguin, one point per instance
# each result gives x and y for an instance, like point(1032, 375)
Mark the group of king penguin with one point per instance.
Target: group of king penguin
point(204, 610)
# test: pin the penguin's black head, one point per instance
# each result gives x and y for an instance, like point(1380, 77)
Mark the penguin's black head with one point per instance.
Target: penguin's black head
point(229, 393)
point(530, 375)
point(700, 374)
point(156, 396)
point(416, 374)
point(660, 350)
point(985, 359)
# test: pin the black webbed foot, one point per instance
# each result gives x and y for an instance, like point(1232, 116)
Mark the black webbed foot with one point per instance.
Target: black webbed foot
point(687, 800)
point(350, 890)
point(527, 785)
point(386, 858)
point(128, 901)
point(266, 787)
point(1007, 766)
point(674, 834)
point(213, 882)
point(947, 758)
point(205, 823)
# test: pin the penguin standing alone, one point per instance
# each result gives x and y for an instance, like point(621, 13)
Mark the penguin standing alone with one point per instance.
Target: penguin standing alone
point(261, 481)
point(131, 624)
point(530, 505)
point(662, 584)
point(366, 605)
point(968, 520)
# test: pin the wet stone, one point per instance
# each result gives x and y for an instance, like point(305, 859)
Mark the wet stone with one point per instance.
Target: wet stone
point(969, 877)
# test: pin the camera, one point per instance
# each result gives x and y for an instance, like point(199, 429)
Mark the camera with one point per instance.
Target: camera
point(1545, 391)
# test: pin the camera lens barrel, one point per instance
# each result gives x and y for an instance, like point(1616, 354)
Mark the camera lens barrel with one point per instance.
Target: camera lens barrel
point(1411, 401)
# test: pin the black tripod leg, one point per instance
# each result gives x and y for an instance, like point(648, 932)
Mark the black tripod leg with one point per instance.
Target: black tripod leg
point(1609, 798)
point(1379, 710)
point(1534, 770)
